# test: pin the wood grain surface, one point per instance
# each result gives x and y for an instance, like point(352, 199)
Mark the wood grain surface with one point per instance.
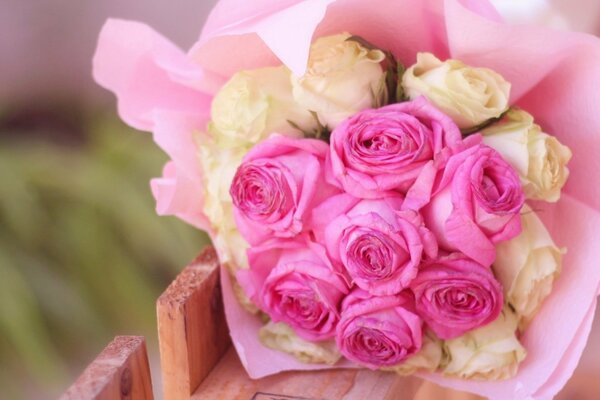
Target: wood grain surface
point(229, 381)
point(192, 331)
point(121, 371)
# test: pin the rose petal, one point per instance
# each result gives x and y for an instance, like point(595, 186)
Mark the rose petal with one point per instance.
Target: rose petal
point(139, 66)
point(177, 195)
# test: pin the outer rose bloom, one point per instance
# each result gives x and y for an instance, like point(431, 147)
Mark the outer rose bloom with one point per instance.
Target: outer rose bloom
point(378, 331)
point(277, 185)
point(455, 295)
point(468, 95)
point(255, 103)
point(540, 159)
point(379, 246)
point(294, 282)
point(342, 78)
point(385, 149)
point(492, 352)
point(476, 204)
point(527, 267)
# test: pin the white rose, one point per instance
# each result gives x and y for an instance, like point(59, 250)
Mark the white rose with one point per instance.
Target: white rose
point(342, 79)
point(280, 336)
point(254, 104)
point(540, 159)
point(427, 359)
point(219, 165)
point(470, 96)
point(527, 267)
point(492, 352)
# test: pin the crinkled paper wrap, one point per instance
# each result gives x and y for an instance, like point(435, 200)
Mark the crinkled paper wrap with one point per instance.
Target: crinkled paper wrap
point(555, 76)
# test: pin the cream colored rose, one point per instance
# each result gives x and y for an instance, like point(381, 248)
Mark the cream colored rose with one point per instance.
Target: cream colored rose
point(470, 96)
point(427, 359)
point(527, 267)
point(280, 336)
point(540, 159)
point(492, 352)
point(342, 78)
point(219, 165)
point(254, 104)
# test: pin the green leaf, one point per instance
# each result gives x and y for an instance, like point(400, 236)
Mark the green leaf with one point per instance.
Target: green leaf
point(485, 124)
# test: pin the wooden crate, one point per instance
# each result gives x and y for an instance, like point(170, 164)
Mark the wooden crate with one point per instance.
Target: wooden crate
point(120, 371)
point(198, 361)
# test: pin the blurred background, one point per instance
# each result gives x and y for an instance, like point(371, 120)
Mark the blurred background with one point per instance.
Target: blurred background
point(83, 256)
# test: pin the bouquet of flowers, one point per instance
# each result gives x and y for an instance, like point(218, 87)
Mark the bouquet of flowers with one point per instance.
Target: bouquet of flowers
point(383, 182)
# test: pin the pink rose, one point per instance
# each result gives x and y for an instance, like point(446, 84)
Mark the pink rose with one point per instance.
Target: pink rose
point(455, 295)
point(379, 246)
point(294, 282)
point(385, 149)
point(278, 183)
point(476, 203)
point(378, 331)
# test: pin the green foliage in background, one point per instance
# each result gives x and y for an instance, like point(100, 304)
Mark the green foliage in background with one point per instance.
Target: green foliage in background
point(83, 255)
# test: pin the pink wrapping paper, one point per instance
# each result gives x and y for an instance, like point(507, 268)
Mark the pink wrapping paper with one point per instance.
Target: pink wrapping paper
point(555, 76)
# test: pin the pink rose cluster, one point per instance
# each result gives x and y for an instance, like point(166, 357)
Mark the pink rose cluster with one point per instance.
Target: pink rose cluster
point(386, 231)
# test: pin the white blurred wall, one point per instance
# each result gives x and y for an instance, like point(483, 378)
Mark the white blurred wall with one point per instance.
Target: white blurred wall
point(46, 46)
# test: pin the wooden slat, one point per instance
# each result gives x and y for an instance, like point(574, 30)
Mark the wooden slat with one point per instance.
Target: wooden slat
point(192, 331)
point(228, 380)
point(121, 371)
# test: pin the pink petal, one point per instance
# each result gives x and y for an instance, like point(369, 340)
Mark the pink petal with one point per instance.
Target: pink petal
point(177, 195)
point(174, 133)
point(267, 34)
point(144, 70)
point(464, 234)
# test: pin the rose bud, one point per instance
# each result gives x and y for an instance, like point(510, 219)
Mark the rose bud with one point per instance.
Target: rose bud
point(527, 267)
point(294, 282)
point(253, 104)
point(342, 78)
point(476, 204)
point(379, 246)
point(490, 353)
point(470, 96)
point(278, 183)
point(378, 331)
point(539, 159)
point(383, 150)
point(455, 295)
